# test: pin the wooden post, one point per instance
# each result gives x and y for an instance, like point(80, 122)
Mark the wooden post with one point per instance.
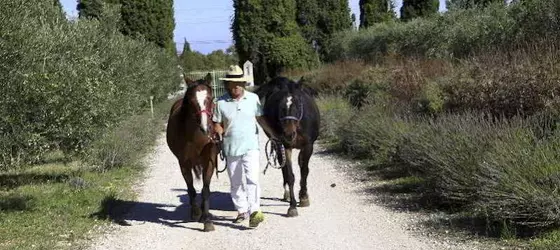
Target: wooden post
point(152, 105)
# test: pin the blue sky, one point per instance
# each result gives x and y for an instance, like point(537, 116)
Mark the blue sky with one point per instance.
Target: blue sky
point(206, 24)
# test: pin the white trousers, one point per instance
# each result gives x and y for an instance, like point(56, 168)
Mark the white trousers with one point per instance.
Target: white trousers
point(245, 170)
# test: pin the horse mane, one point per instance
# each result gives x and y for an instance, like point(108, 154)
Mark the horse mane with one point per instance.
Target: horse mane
point(280, 84)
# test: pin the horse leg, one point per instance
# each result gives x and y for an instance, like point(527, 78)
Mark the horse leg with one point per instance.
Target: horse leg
point(281, 159)
point(285, 185)
point(186, 170)
point(303, 161)
point(289, 175)
point(208, 169)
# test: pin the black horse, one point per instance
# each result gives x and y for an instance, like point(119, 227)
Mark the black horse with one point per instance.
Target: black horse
point(291, 111)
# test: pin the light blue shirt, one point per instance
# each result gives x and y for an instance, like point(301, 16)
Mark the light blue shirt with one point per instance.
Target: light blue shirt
point(239, 122)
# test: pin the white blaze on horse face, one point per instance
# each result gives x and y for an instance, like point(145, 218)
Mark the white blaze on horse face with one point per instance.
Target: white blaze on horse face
point(289, 102)
point(200, 98)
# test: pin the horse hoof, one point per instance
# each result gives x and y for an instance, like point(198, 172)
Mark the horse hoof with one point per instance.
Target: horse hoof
point(208, 226)
point(292, 212)
point(304, 202)
point(286, 197)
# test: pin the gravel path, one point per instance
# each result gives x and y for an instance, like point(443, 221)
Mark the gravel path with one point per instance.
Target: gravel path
point(340, 217)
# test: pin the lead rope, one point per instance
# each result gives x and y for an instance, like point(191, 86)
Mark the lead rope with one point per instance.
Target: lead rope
point(271, 151)
point(219, 144)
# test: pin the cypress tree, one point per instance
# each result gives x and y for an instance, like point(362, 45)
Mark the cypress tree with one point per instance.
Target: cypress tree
point(150, 19)
point(307, 17)
point(89, 8)
point(418, 8)
point(375, 11)
point(270, 37)
point(468, 4)
point(334, 17)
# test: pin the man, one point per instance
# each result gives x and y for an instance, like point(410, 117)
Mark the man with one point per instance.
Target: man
point(236, 116)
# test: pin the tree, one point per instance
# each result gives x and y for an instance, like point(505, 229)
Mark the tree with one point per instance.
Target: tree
point(152, 20)
point(196, 61)
point(270, 37)
point(375, 11)
point(334, 17)
point(90, 9)
point(249, 35)
point(186, 47)
point(60, 10)
point(307, 17)
point(418, 8)
point(218, 59)
point(468, 4)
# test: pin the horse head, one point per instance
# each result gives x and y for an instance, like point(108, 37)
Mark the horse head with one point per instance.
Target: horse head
point(198, 102)
point(285, 106)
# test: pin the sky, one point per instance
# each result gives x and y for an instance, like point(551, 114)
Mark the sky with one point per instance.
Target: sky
point(206, 24)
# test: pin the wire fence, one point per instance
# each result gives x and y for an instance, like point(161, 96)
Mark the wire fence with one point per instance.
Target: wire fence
point(217, 86)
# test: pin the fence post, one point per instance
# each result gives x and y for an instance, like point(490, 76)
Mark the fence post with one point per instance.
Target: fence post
point(152, 105)
point(214, 84)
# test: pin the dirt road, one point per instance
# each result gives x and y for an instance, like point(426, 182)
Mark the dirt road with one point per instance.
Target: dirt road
point(340, 217)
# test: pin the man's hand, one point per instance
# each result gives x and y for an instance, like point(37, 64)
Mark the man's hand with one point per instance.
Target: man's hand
point(219, 130)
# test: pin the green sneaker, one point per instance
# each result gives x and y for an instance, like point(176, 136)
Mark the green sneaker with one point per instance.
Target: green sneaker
point(256, 218)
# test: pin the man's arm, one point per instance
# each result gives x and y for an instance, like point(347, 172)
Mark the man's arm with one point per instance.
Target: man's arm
point(259, 115)
point(217, 119)
point(267, 128)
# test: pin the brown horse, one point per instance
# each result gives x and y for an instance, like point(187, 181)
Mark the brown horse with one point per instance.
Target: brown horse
point(189, 136)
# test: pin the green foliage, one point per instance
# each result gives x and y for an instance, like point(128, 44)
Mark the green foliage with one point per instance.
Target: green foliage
point(469, 4)
point(335, 112)
point(455, 34)
point(307, 17)
point(373, 135)
point(270, 37)
point(196, 61)
point(431, 99)
point(548, 241)
point(357, 93)
point(520, 82)
point(334, 78)
point(126, 143)
point(334, 18)
point(466, 102)
point(90, 8)
point(141, 19)
point(63, 84)
point(149, 19)
point(418, 8)
point(375, 11)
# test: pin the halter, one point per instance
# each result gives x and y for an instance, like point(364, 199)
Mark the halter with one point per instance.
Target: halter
point(293, 118)
point(204, 111)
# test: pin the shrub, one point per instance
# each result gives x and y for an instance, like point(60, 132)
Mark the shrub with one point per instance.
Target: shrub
point(455, 34)
point(335, 112)
point(448, 152)
point(373, 134)
point(333, 78)
point(522, 179)
point(65, 83)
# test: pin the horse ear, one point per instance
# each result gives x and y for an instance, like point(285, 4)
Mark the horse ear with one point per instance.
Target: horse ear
point(208, 78)
point(189, 82)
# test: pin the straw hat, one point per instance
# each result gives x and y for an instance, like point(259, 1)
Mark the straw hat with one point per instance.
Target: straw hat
point(235, 74)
